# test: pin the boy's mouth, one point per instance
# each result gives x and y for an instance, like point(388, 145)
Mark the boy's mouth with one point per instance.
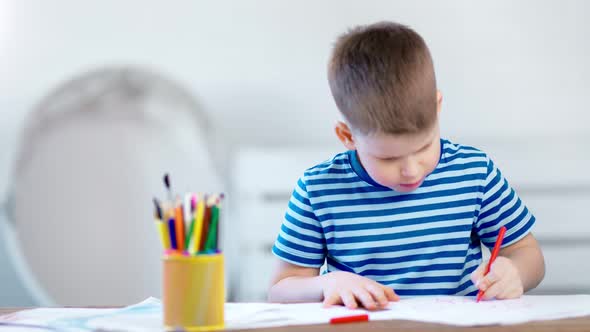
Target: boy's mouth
point(411, 185)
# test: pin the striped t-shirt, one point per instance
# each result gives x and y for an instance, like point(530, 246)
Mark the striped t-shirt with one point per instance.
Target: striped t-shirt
point(426, 242)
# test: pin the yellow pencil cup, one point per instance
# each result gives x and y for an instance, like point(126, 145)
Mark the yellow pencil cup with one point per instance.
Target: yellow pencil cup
point(194, 292)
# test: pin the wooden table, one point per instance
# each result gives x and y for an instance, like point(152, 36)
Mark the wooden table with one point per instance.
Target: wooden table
point(568, 325)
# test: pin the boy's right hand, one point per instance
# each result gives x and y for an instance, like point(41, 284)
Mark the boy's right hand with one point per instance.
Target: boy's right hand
point(353, 290)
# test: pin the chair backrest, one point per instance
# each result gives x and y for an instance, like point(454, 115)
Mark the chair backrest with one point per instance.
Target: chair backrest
point(91, 158)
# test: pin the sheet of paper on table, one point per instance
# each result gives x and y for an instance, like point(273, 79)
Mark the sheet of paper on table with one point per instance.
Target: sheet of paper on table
point(461, 311)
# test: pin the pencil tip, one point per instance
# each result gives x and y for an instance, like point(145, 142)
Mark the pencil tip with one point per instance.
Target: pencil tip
point(158, 209)
point(167, 180)
point(193, 203)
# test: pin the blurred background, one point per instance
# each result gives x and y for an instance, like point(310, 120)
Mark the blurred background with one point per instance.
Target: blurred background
point(99, 99)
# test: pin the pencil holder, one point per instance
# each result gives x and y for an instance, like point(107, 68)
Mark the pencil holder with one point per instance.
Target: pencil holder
point(193, 292)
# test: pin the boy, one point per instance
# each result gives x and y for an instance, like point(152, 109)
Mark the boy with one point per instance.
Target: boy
point(402, 212)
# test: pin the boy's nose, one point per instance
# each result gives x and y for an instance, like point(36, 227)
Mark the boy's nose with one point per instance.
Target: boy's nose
point(410, 169)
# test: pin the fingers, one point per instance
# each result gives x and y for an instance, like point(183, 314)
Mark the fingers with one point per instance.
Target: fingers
point(512, 292)
point(378, 293)
point(502, 282)
point(502, 290)
point(344, 297)
point(371, 297)
point(507, 290)
point(493, 291)
point(366, 298)
point(348, 299)
point(382, 294)
point(486, 282)
point(332, 299)
point(390, 293)
point(354, 291)
point(478, 273)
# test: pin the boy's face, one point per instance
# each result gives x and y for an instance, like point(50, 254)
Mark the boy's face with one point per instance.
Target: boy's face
point(399, 162)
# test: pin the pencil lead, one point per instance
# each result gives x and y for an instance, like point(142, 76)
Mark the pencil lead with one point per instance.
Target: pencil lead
point(158, 208)
point(168, 187)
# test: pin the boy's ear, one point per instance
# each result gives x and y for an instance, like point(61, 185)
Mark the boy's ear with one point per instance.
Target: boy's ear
point(344, 134)
point(438, 101)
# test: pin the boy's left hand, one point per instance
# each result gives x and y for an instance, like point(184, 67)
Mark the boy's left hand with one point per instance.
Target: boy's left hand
point(502, 282)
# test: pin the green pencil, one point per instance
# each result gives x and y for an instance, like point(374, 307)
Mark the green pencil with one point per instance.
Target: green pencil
point(211, 243)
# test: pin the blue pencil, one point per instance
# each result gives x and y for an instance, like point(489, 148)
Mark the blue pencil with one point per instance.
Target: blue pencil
point(172, 230)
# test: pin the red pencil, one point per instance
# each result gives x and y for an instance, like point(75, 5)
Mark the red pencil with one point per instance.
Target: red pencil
point(350, 319)
point(493, 257)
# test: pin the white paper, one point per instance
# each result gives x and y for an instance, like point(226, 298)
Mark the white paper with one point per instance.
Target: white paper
point(465, 311)
point(454, 310)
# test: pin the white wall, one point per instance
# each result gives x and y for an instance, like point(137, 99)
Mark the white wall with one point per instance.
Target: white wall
point(509, 68)
point(506, 69)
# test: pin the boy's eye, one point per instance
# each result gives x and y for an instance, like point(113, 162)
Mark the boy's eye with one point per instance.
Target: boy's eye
point(389, 159)
point(425, 147)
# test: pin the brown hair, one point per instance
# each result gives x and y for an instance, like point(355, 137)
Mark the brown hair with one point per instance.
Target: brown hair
point(382, 79)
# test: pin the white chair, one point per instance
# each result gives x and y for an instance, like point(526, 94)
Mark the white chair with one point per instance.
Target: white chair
point(78, 226)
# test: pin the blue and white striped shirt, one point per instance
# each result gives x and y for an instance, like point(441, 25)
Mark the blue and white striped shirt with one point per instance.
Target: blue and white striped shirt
point(426, 242)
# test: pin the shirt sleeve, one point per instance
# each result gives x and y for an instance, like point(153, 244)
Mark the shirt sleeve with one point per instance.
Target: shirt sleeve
point(501, 206)
point(301, 239)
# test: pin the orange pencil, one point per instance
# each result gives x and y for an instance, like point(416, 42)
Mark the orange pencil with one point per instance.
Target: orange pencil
point(179, 225)
point(497, 246)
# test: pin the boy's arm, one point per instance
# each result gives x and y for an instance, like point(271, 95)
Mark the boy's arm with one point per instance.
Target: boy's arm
point(302, 242)
point(518, 268)
point(520, 265)
point(292, 283)
point(528, 260)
